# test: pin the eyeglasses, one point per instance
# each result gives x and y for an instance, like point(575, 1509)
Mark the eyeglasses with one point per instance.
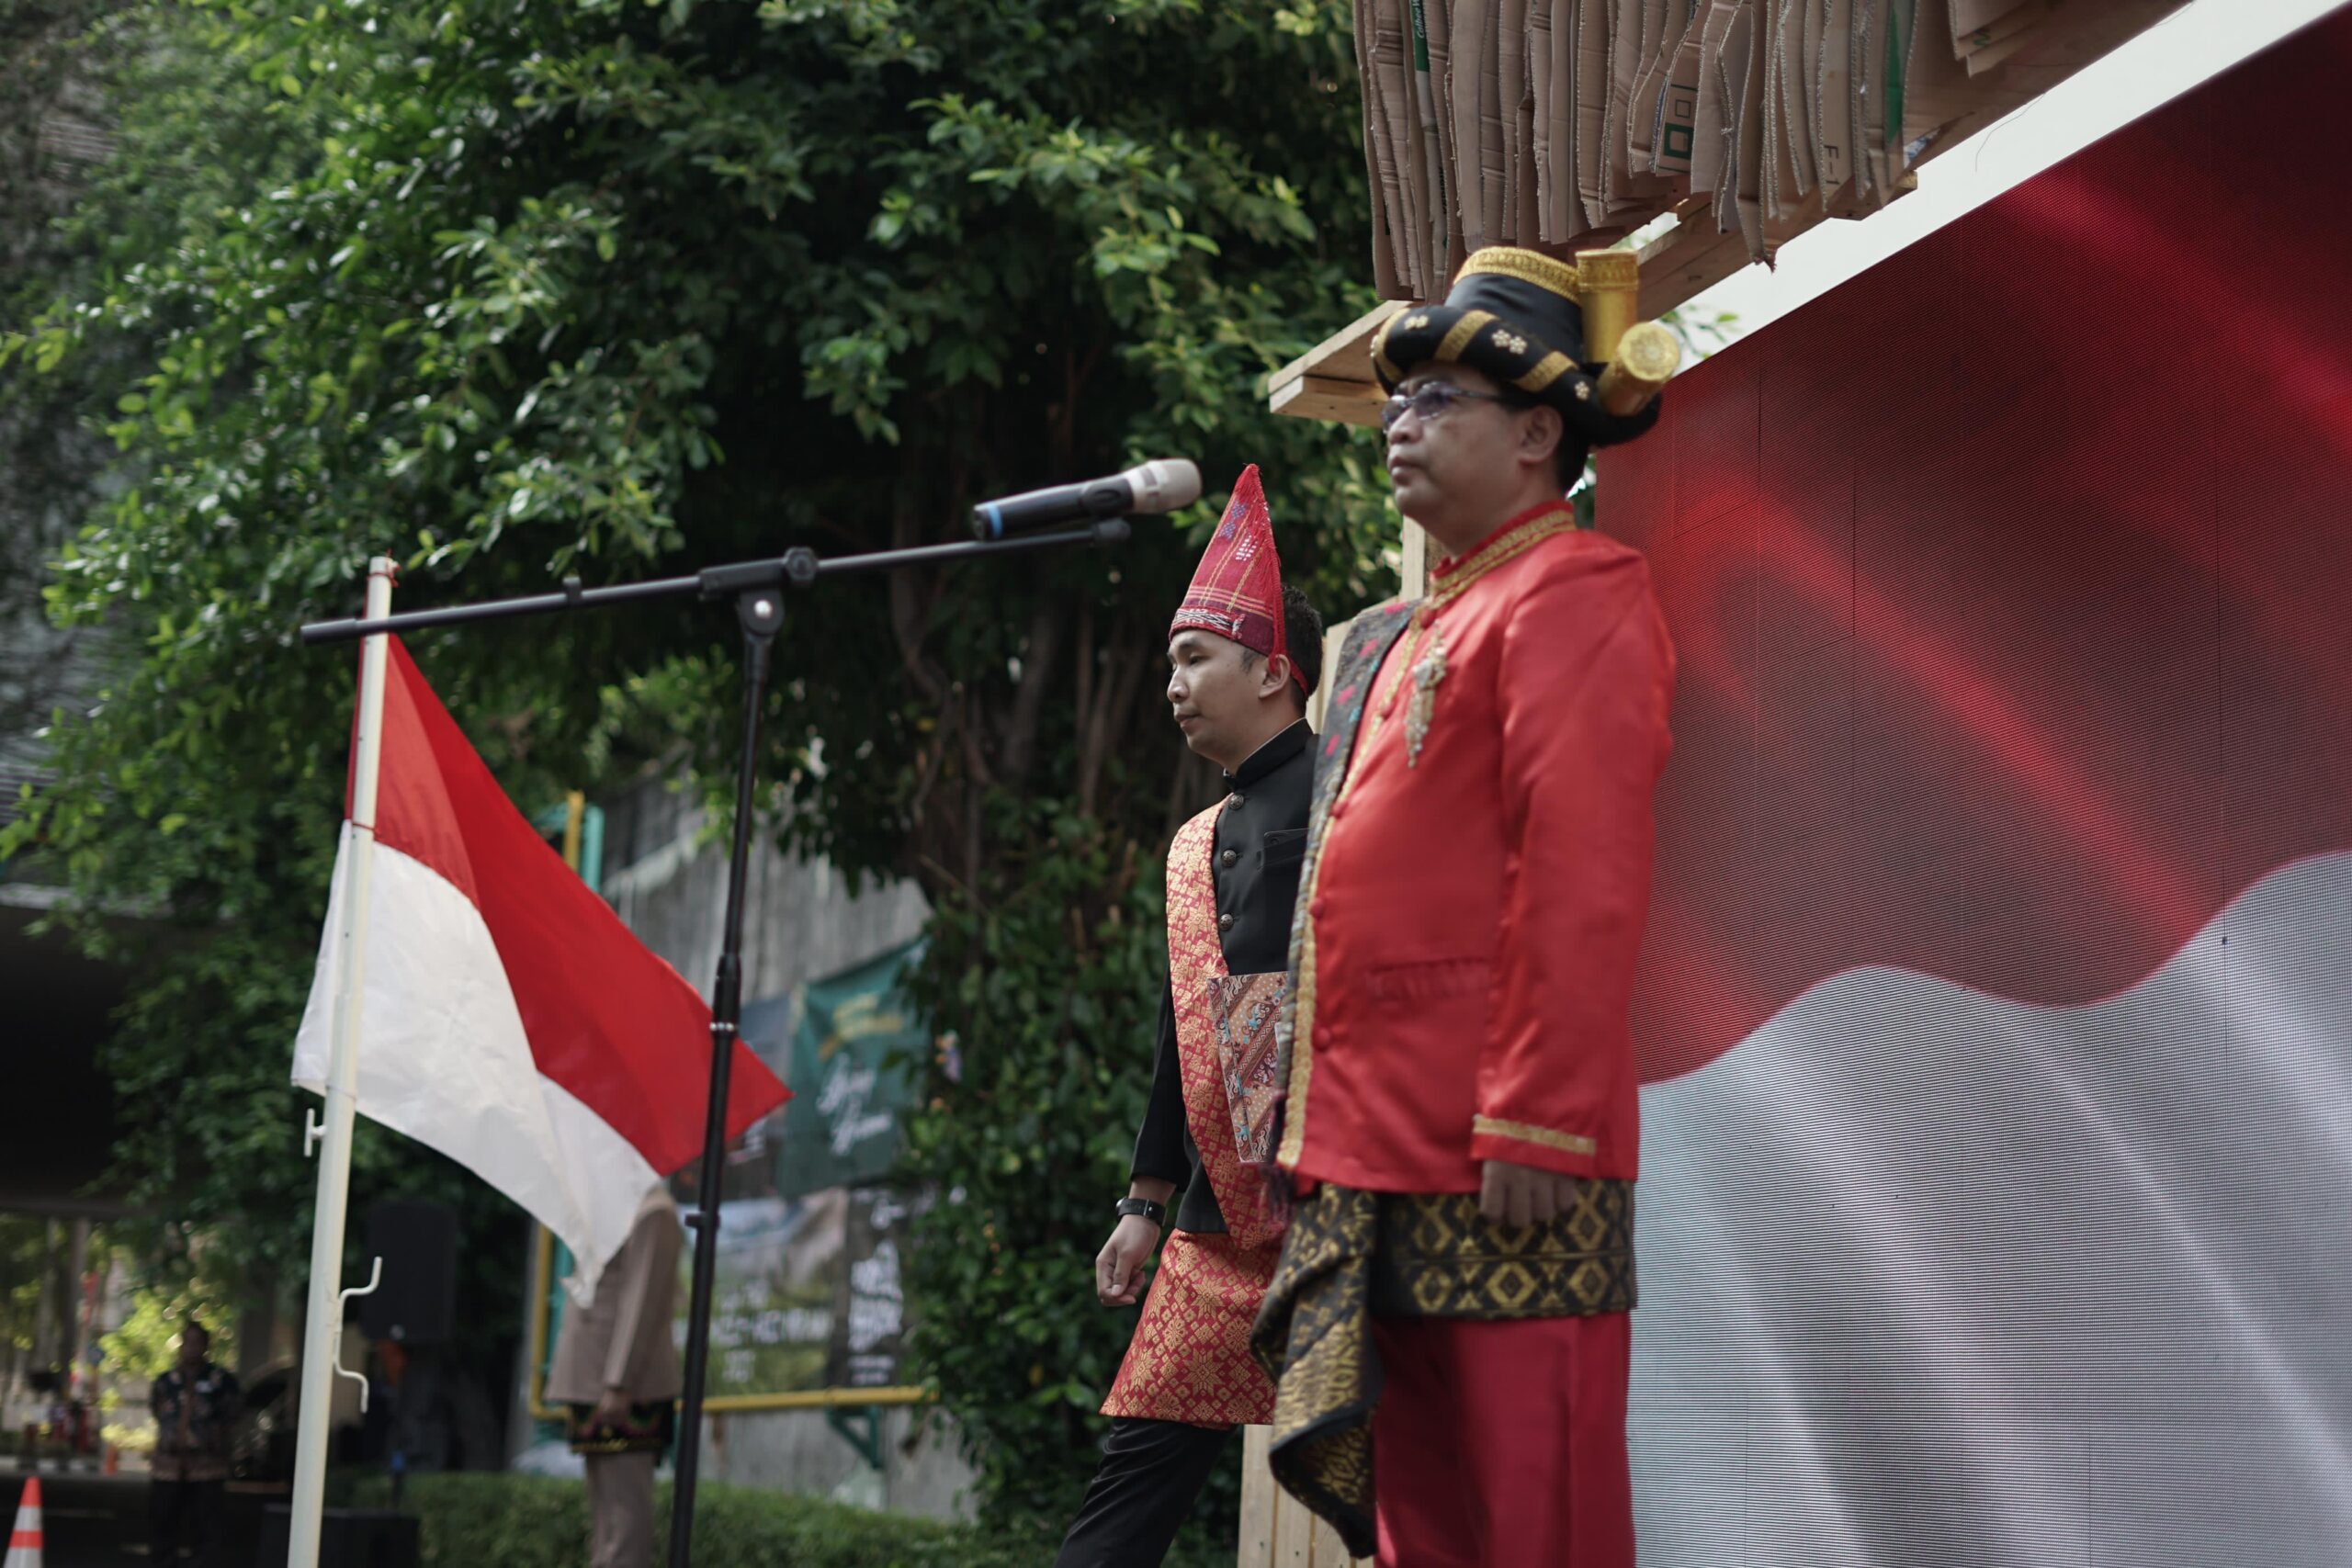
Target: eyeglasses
point(1429, 399)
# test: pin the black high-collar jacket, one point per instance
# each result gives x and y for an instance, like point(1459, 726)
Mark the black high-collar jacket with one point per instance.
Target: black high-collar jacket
point(1261, 840)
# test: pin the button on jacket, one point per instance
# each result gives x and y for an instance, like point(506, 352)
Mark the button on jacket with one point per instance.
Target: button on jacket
point(1260, 841)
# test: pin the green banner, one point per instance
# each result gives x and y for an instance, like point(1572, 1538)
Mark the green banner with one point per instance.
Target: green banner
point(854, 1042)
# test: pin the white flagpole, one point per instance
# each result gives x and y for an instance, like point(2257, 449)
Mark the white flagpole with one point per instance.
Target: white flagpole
point(322, 1323)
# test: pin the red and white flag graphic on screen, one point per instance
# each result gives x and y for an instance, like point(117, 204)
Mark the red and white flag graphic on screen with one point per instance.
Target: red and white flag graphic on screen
point(508, 1018)
point(1998, 660)
point(1995, 1008)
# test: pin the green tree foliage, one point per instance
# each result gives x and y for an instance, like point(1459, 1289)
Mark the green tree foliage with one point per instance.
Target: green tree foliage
point(508, 291)
point(24, 1257)
point(48, 462)
point(147, 1344)
point(42, 1296)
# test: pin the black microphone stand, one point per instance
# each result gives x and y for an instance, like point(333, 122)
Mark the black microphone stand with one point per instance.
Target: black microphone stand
point(757, 588)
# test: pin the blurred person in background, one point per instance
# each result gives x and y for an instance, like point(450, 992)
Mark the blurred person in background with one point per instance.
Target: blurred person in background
point(194, 1406)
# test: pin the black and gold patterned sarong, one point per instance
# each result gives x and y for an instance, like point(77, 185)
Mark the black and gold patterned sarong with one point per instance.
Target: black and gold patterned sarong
point(646, 1429)
point(1349, 1256)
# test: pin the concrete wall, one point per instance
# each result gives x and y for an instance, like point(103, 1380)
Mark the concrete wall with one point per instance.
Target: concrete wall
point(800, 920)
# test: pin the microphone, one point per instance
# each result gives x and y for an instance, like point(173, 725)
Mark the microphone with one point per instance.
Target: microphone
point(1160, 486)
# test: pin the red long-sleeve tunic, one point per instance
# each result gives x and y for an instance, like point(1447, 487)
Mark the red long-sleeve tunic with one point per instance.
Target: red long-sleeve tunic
point(1481, 880)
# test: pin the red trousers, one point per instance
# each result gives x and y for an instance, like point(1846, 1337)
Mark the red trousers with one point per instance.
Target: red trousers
point(1502, 1445)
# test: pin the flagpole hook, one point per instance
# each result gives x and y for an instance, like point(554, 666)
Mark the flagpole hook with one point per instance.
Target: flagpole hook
point(342, 1299)
point(312, 1131)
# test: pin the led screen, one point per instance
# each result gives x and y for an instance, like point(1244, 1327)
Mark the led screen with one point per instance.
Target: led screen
point(1996, 1005)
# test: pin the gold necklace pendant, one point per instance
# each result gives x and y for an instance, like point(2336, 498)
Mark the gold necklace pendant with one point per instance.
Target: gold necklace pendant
point(1427, 673)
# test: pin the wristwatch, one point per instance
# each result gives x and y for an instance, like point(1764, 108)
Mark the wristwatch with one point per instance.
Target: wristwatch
point(1156, 1212)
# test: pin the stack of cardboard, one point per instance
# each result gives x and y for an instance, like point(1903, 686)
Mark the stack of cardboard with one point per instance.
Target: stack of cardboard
point(1562, 125)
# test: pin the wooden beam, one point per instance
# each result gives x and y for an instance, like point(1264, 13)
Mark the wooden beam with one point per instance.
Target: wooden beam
point(1277, 1530)
point(1346, 401)
point(1259, 1491)
point(1345, 355)
point(1686, 260)
point(1413, 573)
point(1352, 342)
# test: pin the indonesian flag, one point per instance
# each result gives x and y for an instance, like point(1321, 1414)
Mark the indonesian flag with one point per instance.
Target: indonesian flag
point(507, 1018)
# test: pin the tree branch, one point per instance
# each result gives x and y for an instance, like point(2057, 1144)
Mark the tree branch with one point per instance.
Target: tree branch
point(1037, 666)
point(912, 596)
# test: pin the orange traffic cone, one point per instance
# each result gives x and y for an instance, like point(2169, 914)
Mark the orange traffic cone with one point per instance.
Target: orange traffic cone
point(24, 1541)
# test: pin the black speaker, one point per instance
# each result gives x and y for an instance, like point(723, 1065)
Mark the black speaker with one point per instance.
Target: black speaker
point(349, 1538)
point(417, 1301)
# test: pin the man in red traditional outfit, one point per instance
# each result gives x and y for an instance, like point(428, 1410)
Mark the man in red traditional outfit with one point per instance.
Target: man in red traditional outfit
point(1243, 654)
point(1450, 1323)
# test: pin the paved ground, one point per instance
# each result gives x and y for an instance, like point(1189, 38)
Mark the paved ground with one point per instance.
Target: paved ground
point(89, 1521)
point(100, 1521)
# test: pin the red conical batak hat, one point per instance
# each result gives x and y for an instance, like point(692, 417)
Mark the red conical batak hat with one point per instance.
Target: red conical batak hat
point(1238, 592)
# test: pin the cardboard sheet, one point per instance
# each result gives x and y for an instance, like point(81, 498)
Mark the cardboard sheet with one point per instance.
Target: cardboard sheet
point(1379, 62)
point(1679, 110)
point(1592, 105)
point(1551, 123)
point(1712, 127)
point(1791, 179)
point(1540, 91)
point(1567, 209)
point(1437, 24)
point(1510, 43)
point(1667, 21)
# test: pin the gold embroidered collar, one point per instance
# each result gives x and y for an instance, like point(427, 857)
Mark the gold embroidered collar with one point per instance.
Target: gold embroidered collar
point(1422, 659)
point(1452, 577)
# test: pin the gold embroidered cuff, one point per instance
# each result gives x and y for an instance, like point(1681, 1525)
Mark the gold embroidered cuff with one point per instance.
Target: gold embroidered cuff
point(1542, 1138)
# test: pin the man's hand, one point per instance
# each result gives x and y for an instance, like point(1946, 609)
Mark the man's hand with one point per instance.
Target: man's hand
point(1119, 1268)
point(612, 1409)
point(1523, 1194)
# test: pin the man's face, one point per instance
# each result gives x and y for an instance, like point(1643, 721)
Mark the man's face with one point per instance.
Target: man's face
point(1462, 460)
point(1213, 697)
point(194, 1343)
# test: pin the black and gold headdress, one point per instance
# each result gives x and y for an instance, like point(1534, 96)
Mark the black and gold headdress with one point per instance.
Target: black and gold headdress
point(1563, 333)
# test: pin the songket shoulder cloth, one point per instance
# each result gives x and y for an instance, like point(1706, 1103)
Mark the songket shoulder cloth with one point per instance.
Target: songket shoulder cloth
point(1190, 1358)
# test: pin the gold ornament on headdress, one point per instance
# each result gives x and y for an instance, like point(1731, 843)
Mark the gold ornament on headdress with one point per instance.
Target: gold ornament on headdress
point(1645, 362)
point(1611, 284)
point(1640, 355)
